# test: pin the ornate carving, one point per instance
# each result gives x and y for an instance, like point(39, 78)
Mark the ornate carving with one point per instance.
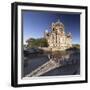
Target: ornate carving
point(57, 39)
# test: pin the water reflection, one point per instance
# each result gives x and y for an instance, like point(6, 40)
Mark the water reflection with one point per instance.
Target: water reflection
point(70, 60)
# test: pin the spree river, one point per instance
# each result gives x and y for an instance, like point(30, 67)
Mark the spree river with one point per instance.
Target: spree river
point(30, 64)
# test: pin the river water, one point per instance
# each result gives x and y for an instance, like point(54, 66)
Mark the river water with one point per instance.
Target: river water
point(31, 64)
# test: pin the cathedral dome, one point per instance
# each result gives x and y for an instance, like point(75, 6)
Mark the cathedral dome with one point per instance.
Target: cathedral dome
point(58, 23)
point(58, 26)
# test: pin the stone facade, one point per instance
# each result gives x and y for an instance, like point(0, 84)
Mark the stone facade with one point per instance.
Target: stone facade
point(57, 39)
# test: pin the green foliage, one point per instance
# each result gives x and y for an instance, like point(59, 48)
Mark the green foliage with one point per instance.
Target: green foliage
point(76, 46)
point(41, 42)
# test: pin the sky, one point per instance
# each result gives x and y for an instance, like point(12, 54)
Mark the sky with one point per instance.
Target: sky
point(36, 22)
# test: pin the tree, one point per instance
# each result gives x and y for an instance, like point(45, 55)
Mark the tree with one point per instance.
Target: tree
point(41, 42)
